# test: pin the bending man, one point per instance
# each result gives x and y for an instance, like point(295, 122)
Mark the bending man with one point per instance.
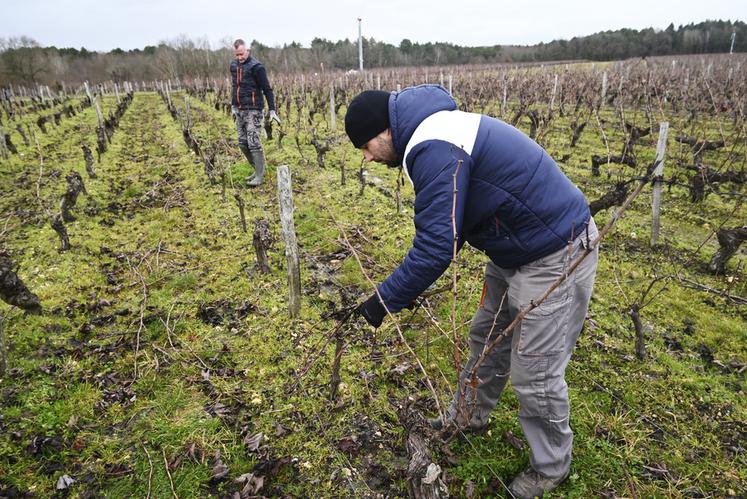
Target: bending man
point(514, 204)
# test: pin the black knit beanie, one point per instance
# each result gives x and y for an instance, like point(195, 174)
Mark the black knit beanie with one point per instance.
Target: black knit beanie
point(367, 116)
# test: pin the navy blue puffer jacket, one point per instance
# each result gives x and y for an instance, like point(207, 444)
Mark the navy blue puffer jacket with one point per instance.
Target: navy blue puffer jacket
point(512, 201)
point(249, 85)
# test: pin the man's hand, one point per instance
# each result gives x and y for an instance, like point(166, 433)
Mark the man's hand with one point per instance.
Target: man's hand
point(274, 116)
point(372, 310)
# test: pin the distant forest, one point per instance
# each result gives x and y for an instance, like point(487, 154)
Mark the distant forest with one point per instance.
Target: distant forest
point(24, 61)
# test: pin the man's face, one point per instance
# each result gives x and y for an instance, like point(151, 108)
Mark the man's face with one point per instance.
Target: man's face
point(381, 149)
point(241, 53)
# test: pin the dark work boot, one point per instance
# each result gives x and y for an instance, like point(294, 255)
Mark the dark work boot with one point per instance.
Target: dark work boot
point(258, 161)
point(529, 484)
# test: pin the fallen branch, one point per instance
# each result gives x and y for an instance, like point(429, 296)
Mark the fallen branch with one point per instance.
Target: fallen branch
point(143, 303)
point(688, 283)
point(171, 480)
point(150, 471)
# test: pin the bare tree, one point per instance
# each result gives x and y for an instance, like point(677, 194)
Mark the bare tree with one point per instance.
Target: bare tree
point(21, 59)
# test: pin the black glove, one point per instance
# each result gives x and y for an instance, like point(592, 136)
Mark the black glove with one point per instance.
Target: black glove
point(372, 310)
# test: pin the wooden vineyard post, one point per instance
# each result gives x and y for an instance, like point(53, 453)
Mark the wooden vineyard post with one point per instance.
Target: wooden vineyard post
point(116, 92)
point(661, 148)
point(88, 91)
point(167, 88)
point(378, 81)
point(451, 80)
point(99, 114)
point(285, 197)
point(604, 89)
point(505, 97)
point(187, 114)
point(101, 137)
point(332, 114)
point(552, 99)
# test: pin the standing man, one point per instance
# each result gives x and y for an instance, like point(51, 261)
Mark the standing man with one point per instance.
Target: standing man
point(508, 199)
point(249, 84)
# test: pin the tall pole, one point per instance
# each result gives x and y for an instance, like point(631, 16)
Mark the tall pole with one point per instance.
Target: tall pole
point(285, 197)
point(360, 46)
point(661, 149)
point(733, 37)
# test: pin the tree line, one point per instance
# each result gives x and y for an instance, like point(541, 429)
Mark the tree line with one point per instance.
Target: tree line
point(23, 61)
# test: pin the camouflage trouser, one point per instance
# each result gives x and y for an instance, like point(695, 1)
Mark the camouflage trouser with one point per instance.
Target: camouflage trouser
point(248, 126)
point(536, 355)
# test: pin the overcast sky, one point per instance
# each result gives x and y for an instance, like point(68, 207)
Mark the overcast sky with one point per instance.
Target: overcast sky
point(104, 25)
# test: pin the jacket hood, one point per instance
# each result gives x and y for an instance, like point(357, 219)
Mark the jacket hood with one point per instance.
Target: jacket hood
point(409, 107)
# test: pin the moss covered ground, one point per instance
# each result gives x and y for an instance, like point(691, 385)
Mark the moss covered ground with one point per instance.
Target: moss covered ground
point(163, 351)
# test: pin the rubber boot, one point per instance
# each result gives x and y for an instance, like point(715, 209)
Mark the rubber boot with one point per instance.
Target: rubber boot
point(248, 155)
point(258, 160)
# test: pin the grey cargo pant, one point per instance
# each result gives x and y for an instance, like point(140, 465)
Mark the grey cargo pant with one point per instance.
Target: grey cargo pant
point(248, 126)
point(537, 354)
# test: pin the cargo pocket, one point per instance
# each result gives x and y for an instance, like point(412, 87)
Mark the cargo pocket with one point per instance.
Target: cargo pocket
point(543, 330)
